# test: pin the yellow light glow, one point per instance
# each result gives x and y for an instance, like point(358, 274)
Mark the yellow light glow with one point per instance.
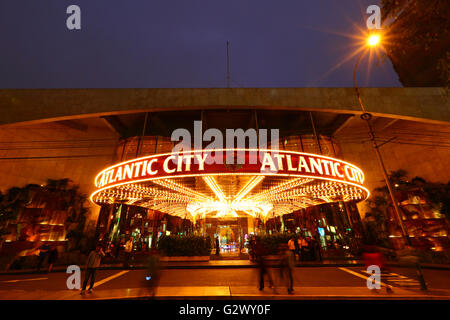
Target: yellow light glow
point(211, 182)
point(254, 181)
point(374, 40)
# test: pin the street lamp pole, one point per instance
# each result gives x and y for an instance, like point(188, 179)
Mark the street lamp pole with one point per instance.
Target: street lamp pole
point(374, 40)
point(367, 117)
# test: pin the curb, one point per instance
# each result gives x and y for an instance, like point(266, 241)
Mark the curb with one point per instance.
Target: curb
point(186, 266)
point(423, 266)
point(246, 266)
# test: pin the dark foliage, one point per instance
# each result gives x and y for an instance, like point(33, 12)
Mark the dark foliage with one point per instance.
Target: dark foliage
point(417, 40)
point(185, 245)
point(271, 243)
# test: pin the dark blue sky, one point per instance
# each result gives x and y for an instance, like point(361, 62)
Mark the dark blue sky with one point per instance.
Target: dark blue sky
point(182, 43)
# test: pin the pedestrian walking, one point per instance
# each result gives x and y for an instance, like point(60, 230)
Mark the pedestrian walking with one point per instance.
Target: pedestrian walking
point(118, 246)
point(311, 251)
point(217, 246)
point(253, 247)
point(262, 265)
point(297, 249)
point(317, 249)
point(287, 263)
point(52, 257)
point(128, 253)
point(43, 252)
point(373, 256)
point(153, 272)
point(92, 264)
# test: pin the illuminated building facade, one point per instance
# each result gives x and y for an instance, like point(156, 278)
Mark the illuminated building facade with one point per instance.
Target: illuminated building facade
point(114, 143)
point(199, 184)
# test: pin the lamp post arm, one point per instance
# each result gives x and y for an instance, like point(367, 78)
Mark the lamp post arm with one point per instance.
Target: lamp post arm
point(355, 82)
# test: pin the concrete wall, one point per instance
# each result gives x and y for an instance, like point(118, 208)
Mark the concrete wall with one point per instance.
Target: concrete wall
point(80, 153)
point(38, 105)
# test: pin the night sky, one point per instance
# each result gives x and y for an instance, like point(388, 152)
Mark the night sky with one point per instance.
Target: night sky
point(182, 43)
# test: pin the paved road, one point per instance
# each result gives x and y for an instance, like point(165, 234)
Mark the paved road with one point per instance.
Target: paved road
point(304, 277)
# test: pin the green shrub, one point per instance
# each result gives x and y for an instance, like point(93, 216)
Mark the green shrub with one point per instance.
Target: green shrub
point(272, 242)
point(175, 245)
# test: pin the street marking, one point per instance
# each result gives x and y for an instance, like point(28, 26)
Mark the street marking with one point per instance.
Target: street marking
point(363, 277)
point(398, 279)
point(10, 281)
point(385, 275)
point(399, 275)
point(110, 278)
point(405, 279)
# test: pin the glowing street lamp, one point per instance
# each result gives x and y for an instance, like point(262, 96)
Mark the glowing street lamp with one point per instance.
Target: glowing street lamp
point(373, 41)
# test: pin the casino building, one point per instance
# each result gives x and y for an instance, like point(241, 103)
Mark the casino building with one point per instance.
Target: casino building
point(315, 179)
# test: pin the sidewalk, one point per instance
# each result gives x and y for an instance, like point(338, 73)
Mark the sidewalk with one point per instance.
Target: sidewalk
point(213, 264)
point(232, 292)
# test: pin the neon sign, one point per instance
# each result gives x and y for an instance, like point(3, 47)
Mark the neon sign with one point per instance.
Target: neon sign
point(191, 163)
point(272, 181)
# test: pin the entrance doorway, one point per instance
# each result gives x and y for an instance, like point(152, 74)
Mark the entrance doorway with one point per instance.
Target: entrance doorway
point(228, 240)
point(231, 234)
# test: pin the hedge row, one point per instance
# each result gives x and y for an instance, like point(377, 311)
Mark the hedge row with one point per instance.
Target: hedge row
point(271, 243)
point(185, 245)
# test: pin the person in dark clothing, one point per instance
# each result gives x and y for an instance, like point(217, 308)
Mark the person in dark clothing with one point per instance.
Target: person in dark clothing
point(261, 253)
point(44, 250)
point(52, 257)
point(152, 273)
point(217, 246)
point(304, 249)
point(287, 263)
point(253, 248)
point(317, 249)
point(311, 249)
point(297, 248)
point(117, 251)
point(92, 264)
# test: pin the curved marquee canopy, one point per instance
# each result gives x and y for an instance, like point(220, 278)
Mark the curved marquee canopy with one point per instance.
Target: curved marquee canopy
point(230, 182)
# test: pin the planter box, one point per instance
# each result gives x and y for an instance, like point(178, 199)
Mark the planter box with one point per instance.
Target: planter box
point(272, 257)
point(184, 258)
